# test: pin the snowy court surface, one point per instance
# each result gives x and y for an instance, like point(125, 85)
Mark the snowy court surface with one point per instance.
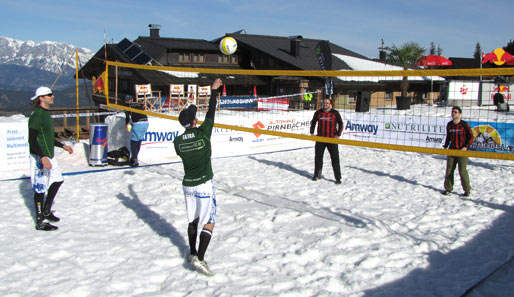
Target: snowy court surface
point(386, 231)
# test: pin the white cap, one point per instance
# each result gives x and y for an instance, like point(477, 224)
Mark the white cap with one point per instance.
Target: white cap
point(41, 91)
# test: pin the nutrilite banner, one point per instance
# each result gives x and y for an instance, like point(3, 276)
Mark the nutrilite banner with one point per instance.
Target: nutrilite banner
point(394, 129)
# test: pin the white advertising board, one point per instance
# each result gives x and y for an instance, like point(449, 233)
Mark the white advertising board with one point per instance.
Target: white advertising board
point(14, 146)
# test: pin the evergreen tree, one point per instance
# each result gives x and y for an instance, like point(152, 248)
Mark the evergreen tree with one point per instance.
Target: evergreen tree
point(478, 52)
point(432, 48)
point(439, 50)
point(509, 48)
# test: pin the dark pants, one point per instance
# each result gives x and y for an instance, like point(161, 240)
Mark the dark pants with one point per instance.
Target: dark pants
point(319, 151)
point(451, 165)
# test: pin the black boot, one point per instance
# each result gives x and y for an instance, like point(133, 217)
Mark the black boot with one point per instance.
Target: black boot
point(40, 219)
point(45, 226)
point(47, 208)
point(133, 162)
point(50, 216)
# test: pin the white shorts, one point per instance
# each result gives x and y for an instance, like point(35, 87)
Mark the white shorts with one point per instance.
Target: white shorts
point(42, 178)
point(201, 203)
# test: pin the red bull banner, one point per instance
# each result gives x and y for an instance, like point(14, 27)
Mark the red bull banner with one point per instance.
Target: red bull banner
point(498, 57)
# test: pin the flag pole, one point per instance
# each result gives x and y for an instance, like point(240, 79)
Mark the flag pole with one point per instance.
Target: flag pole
point(77, 91)
point(480, 81)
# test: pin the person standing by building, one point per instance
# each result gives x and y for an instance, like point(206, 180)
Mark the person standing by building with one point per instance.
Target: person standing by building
point(45, 174)
point(138, 128)
point(330, 124)
point(458, 137)
point(194, 148)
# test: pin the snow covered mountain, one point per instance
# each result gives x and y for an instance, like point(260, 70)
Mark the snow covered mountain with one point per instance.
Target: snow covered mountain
point(26, 65)
point(48, 55)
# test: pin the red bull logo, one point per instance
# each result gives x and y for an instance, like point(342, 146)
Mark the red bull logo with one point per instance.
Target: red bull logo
point(501, 89)
point(143, 89)
point(504, 90)
point(100, 136)
point(498, 57)
point(98, 83)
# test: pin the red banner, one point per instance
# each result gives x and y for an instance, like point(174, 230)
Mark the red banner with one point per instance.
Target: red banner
point(273, 104)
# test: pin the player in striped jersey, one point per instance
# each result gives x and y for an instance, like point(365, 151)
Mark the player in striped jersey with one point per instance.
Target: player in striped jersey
point(330, 124)
point(458, 137)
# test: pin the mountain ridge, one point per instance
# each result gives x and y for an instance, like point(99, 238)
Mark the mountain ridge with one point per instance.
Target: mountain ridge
point(26, 65)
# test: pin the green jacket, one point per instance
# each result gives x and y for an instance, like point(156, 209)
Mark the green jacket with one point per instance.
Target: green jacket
point(194, 147)
point(41, 122)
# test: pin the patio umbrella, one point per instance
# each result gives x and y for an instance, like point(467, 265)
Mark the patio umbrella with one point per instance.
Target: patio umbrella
point(433, 60)
point(498, 57)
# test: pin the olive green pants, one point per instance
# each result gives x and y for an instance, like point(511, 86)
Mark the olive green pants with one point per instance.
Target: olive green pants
point(451, 164)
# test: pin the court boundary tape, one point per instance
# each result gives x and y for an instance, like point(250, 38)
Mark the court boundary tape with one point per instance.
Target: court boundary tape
point(151, 165)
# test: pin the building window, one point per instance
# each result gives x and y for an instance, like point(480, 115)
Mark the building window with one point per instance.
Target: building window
point(191, 58)
point(352, 97)
point(224, 59)
point(198, 58)
point(388, 96)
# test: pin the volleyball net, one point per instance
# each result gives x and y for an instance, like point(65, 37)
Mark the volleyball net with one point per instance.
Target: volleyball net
point(373, 114)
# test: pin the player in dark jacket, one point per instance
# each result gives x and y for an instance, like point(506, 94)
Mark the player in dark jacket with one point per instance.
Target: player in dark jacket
point(330, 124)
point(458, 137)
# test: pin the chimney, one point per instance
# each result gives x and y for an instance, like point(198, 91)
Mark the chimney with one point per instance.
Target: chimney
point(154, 30)
point(295, 43)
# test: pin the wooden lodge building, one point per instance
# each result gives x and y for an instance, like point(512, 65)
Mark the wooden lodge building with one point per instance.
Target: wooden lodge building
point(254, 52)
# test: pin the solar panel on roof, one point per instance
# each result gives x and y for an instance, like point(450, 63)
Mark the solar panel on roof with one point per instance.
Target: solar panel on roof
point(142, 59)
point(124, 44)
point(132, 52)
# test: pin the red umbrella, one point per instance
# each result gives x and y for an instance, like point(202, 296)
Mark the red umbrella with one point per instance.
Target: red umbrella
point(498, 57)
point(224, 91)
point(433, 60)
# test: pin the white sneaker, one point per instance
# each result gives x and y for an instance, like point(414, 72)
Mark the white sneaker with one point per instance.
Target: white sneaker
point(201, 266)
point(192, 258)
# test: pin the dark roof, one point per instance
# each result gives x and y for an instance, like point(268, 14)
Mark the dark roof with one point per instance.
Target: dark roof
point(276, 47)
point(280, 48)
point(466, 63)
point(157, 46)
point(96, 65)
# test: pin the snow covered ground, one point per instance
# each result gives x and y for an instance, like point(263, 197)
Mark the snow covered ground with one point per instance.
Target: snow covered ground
point(386, 231)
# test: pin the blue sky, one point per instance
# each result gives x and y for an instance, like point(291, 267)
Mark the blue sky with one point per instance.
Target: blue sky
point(456, 26)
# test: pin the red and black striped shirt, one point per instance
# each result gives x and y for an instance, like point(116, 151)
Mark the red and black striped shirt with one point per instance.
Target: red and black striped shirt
point(458, 135)
point(330, 123)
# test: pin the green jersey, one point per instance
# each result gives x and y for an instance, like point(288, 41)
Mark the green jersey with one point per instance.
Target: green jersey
point(194, 147)
point(41, 121)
